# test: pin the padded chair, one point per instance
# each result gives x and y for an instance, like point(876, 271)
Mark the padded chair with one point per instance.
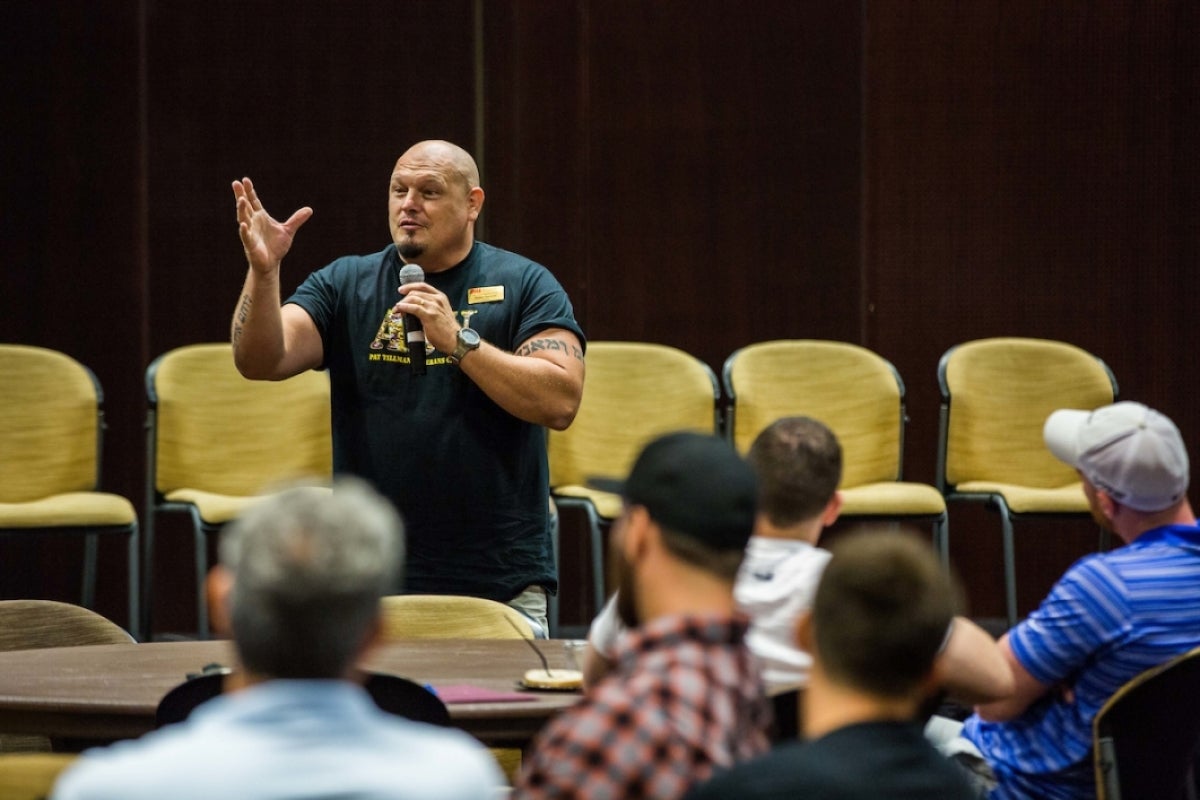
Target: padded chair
point(51, 435)
point(217, 441)
point(859, 395)
point(38, 624)
point(1145, 736)
point(31, 776)
point(436, 616)
point(392, 693)
point(634, 392)
point(996, 396)
point(426, 616)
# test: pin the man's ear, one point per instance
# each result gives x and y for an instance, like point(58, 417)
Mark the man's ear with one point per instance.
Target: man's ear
point(474, 203)
point(636, 534)
point(219, 588)
point(832, 510)
point(1106, 505)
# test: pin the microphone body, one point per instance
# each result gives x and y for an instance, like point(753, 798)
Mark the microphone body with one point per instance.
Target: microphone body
point(414, 334)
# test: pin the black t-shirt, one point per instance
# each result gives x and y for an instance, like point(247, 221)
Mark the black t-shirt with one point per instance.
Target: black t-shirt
point(859, 762)
point(470, 479)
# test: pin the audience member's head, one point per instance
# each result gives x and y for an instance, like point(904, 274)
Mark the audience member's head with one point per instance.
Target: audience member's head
point(691, 500)
point(303, 573)
point(882, 613)
point(1130, 457)
point(1133, 453)
point(798, 462)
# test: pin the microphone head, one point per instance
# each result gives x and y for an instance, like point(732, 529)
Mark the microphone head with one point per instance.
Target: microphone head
point(411, 273)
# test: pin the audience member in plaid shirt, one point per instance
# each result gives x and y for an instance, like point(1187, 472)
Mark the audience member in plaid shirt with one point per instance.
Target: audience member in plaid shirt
point(686, 696)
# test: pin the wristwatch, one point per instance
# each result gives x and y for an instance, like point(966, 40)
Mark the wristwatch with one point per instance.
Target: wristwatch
point(468, 340)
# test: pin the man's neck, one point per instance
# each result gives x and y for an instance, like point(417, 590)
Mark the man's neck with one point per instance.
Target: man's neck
point(807, 531)
point(1129, 524)
point(449, 261)
point(684, 590)
point(829, 706)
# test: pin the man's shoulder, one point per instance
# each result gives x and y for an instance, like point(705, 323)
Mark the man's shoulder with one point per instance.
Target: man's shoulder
point(507, 266)
point(856, 761)
point(785, 772)
point(177, 761)
point(138, 768)
point(357, 262)
point(347, 270)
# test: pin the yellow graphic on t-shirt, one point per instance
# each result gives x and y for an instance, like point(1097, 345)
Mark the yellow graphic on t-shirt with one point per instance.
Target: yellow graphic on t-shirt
point(390, 336)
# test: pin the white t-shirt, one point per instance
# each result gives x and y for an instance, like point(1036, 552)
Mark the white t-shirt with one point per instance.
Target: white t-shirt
point(776, 583)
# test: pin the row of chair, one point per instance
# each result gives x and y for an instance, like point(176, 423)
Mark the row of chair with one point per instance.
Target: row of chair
point(996, 395)
point(216, 440)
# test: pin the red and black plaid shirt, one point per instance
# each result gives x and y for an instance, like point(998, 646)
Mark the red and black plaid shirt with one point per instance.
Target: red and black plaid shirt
point(685, 698)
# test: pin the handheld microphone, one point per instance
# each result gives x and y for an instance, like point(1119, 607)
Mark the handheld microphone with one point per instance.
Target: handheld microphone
point(414, 334)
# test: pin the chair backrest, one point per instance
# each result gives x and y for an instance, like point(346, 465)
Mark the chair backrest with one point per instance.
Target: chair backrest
point(634, 392)
point(216, 431)
point(392, 693)
point(1145, 736)
point(857, 393)
point(37, 624)
point(31, 776)
point(996, 395)
point(429, 616)
point(406, 698)
point(50, 423)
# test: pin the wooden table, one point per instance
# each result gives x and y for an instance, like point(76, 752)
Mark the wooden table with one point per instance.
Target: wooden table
point(110, 692)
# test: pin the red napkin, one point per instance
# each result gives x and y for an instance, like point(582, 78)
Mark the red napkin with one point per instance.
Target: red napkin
point(466, 693)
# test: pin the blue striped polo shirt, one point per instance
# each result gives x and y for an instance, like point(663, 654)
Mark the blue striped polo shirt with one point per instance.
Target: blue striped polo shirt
point(1112, 616)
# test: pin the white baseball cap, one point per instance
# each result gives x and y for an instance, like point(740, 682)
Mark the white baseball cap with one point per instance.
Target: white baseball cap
point(1131, 452)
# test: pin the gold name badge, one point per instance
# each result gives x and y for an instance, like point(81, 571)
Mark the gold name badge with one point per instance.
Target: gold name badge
point(485, 294)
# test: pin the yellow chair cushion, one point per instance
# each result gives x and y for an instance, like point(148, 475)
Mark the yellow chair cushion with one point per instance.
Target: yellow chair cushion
point(608, 505)
point(891, 499)
point(217, 509)
point(1032, 500)
point(74, 509)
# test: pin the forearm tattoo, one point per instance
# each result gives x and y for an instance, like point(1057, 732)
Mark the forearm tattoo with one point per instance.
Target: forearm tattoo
point(243, 312)
point(531, 347)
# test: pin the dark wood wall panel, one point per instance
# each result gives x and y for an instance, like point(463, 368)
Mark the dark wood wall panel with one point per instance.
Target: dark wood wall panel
point(906, 175)
point(723, 156)
point(534, 153)
point(314, 101)
point(1028, 174)
point(72, 239)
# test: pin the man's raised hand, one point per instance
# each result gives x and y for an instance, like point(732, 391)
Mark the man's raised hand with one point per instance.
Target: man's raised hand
point(265, 240)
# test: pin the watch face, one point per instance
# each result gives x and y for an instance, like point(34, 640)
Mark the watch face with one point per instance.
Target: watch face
point(468, 337)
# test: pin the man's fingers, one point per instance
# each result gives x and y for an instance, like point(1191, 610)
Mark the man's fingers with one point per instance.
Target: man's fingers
point(297, 219)
point(251, 195)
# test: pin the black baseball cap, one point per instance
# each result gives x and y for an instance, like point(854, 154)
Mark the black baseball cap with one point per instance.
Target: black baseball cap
point(694, 484)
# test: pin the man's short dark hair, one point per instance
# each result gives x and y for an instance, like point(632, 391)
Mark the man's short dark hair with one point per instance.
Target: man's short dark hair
point(882, 611)
point(799, 464)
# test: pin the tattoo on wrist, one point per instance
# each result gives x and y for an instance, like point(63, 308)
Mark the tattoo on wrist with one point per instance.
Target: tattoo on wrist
point(550, 344)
